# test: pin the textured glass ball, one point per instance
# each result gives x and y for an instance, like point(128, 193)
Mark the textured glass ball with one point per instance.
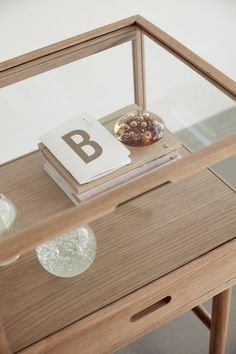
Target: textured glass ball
point(139, 128)
point(9, 222)
point(69, 254)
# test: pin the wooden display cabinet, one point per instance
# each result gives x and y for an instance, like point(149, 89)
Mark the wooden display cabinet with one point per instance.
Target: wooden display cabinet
point(165, 240)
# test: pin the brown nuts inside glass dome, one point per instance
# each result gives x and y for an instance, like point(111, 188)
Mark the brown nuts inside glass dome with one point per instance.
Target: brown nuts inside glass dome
point(139, 128)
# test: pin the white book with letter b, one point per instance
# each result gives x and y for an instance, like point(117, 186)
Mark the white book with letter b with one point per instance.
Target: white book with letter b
point(86, 149)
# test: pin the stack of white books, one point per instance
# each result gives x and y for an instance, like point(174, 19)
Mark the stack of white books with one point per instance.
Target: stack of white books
point(85, 159)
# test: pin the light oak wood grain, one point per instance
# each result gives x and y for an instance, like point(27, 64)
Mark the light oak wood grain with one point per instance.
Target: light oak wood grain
point(220, 319)
point(110, 329)
point(138, 70)
point(106, 203)
point(203, 315)
point(145, 239)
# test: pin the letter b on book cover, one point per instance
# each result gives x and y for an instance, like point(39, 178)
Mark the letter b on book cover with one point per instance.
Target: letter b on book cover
point(85, 148)
point(79, 148)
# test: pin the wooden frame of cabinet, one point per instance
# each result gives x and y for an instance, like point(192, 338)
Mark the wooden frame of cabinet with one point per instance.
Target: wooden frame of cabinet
point(132, 309)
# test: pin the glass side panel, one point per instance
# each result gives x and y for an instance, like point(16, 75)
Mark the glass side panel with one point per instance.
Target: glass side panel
point(99, 85)
point(198, 112)
point(194, 109)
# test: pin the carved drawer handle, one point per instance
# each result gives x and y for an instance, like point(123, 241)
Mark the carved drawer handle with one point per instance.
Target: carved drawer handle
point(138, 316)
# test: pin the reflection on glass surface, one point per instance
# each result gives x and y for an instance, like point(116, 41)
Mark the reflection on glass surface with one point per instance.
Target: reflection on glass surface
point(98, 84)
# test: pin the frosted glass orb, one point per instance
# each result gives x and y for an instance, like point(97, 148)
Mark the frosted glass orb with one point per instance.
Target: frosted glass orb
point(139, 128)
point(9, 222)
point(69, 254)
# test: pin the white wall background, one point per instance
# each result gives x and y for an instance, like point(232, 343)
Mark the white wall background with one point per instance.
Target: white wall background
point(102, 83)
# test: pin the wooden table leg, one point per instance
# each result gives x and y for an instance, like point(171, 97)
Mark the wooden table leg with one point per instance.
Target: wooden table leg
point(219, 324)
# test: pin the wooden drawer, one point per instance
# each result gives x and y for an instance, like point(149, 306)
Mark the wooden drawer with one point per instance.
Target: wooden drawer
point(120, 323)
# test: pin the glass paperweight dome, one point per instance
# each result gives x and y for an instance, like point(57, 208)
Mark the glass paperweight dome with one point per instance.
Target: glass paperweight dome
point(70, 254)
point(139, 128)
point(9, 222)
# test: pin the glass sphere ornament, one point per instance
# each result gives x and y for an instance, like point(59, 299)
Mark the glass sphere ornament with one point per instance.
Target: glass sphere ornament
point(9, 223)
point(139, 128)
point(70, 254)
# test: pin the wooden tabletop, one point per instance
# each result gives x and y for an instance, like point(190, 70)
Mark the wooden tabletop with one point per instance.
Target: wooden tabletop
point(143, 240)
